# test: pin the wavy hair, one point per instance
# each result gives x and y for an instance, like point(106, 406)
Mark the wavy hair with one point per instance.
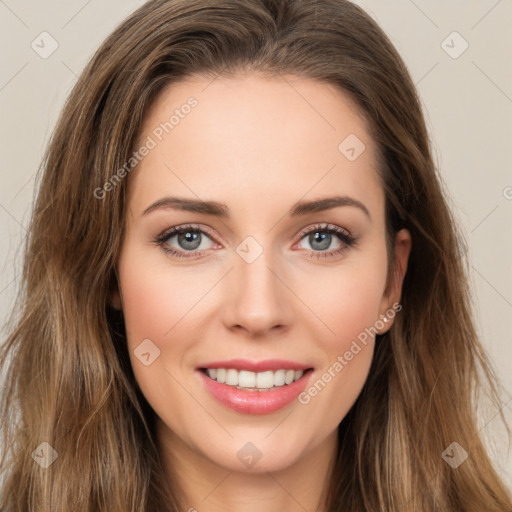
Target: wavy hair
point(68, 379)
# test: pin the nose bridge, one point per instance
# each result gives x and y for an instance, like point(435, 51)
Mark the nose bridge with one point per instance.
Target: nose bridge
point(258, 300)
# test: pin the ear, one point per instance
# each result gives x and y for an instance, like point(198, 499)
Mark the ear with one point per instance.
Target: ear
point(393, 290)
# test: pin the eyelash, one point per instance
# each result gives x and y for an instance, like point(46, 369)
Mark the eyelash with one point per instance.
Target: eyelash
point(342, 234)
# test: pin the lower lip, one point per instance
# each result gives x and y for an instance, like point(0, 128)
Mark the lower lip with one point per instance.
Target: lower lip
point(255, 402)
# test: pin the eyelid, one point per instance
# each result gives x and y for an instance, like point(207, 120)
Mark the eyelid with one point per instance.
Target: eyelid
point(192, 227)
point(324, 227)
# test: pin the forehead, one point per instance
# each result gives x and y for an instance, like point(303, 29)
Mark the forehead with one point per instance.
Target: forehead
point(250, 138)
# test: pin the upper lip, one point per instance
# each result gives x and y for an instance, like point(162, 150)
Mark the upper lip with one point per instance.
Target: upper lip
point(256, 366)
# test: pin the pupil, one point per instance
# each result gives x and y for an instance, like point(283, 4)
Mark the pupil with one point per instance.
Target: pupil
point(323, 238)
point(189, 237)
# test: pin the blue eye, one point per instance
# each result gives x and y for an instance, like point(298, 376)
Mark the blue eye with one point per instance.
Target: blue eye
point(320, 238)
point(190, 239)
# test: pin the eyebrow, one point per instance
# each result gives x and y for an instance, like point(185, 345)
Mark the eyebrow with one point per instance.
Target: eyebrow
point(221, 210)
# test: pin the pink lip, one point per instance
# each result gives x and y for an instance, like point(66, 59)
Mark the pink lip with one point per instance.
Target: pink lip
point(255, 402)
point(256, 366)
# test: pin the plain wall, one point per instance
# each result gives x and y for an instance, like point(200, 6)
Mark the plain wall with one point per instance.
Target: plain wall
point(467, 100)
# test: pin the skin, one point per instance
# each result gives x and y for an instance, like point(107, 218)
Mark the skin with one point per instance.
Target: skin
point(257, 145)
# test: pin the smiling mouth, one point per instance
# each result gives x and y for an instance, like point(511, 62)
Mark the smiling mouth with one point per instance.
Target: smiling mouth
point(255, 381)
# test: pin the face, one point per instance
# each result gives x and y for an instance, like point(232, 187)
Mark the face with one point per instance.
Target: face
point(269, 274)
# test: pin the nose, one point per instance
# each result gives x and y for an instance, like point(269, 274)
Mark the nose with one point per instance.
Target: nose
point(259, 302)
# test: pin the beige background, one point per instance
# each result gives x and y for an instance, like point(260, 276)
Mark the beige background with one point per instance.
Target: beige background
point(467, 102)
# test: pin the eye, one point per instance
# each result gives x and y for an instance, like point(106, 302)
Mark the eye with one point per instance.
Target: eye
point(188, 241)
point(321, 238)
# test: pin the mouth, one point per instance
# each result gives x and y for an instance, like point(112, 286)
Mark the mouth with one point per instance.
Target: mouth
point(254, 388)
point(255, 381)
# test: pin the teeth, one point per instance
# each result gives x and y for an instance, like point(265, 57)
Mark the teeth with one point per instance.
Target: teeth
point(221, 375)
point(246, 379)
point(251, 381)
point(232, 377)
point(289, 376)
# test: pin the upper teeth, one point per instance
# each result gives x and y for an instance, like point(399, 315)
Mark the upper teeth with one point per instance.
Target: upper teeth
point(261, 380)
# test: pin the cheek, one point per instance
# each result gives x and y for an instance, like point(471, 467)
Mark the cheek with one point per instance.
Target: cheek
point(347, 300)
point(145, 296)
point(155, 297)
point(165, 305)
point(157, 305)
point(350, 311)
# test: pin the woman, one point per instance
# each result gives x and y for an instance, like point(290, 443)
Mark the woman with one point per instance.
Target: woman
point(252, 369)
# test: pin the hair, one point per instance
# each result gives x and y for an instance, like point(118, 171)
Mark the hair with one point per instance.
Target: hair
point(68, 376)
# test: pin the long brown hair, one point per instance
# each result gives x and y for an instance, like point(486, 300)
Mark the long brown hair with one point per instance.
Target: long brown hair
point(69, 382)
